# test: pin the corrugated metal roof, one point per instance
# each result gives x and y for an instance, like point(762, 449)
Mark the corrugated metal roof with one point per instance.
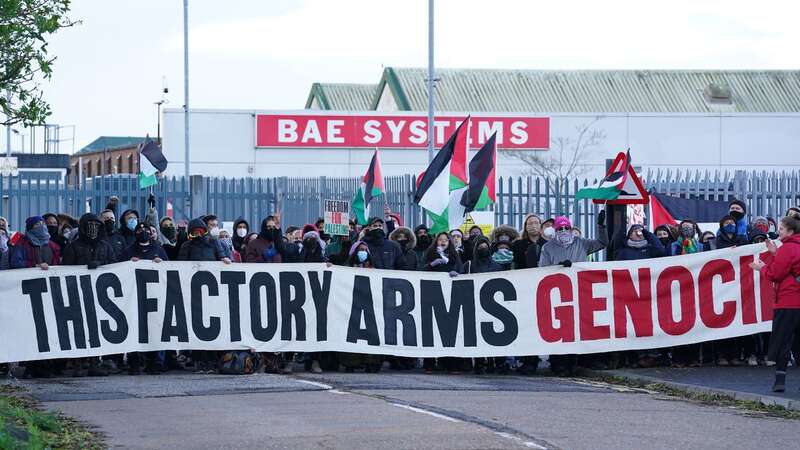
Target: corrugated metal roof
point(342, 96)
point(679, 91)
point(110, 142)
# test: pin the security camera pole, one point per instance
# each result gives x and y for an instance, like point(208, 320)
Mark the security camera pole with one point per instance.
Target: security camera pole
point(430, 81)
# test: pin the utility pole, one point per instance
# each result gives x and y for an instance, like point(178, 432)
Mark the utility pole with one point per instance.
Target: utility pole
point(431, 138)
point(185, 87)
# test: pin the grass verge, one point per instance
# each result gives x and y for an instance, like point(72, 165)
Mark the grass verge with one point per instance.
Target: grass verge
point(705, 398)
point(23, 425)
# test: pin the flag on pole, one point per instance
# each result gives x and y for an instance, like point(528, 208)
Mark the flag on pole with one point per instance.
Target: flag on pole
point(371, 186)
point(610, 187)
point(440, 187)
point(151, 160)
point(480, 192)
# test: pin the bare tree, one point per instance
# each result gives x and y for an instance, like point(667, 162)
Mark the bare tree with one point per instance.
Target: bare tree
point(566, 156)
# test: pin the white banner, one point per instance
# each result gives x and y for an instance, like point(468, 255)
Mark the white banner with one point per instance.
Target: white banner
point(69, 311)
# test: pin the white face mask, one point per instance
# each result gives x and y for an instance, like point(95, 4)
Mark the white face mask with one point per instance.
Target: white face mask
point(214, 232)
point(549, 232)
point(241, 232)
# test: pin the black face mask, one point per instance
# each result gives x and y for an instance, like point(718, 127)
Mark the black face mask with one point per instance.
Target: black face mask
point(402, 243)
point(483, 252)
point(143, 237)
point(53, 230)
point(736, 215)
point(376, 233)
point(168, 232)
point(109, 225)
point(92, 230)
point(665, 240)
point(310, 244)
point(423, 241)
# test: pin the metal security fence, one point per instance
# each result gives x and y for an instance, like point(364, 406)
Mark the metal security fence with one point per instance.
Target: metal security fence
point(300, 200)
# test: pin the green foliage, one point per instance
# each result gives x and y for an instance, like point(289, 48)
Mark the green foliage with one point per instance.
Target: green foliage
point(25, 26)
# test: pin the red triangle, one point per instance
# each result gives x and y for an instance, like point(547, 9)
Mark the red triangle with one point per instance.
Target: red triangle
point(643, 196)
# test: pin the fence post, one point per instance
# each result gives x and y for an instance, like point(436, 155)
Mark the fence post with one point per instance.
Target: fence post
point(198, 195)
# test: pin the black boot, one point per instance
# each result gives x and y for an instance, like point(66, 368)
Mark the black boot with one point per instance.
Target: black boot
point(780, 382)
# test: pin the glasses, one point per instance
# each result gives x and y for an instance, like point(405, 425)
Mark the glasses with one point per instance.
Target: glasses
point(563, 229)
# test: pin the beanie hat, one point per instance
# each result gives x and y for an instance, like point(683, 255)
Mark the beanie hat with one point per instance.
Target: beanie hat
point(373, 220)
point(740, 203)
point(311, 234)
point(309, 227)
point(31, 221)
point(562, 222)
point(634, 227)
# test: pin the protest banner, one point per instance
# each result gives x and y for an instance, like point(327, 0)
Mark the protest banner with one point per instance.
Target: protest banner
point(67, 312)
point(337, 217)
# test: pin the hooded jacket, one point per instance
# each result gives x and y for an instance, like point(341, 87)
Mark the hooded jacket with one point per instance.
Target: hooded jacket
point(624, 252)
point(385, 254)
point(783, 269)
point(408, 260)
point(92, 252)
point(201, 249)
point(553, 252)
point(127, 234)
point(239, 242)
point(481, 265)
point(724, 240)
point(255, 251)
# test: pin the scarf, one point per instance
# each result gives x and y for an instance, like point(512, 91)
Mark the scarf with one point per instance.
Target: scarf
point(637, 244)
point(565, 238)
point(689, 246)
point(38, 235)
point(503, 256)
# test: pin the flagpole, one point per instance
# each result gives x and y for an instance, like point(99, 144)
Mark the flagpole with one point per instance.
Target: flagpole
point(186, 88)
point(430, 81)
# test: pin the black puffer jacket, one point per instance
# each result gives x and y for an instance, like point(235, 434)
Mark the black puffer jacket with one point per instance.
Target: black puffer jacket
point(408, 259)
point(385, 254)
point(126, 233)
point(482, 265)
point(201, 249)
point(92, 252)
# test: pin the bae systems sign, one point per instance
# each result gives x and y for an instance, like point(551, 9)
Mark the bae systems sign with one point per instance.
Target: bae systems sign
point(411, 131)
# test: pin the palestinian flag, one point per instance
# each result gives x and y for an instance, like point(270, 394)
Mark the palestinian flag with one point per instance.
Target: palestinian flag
point(371, 186)
point(151, 160)
point(610, 187)
point(481, 190)
point(669, 210)
point(440, 187)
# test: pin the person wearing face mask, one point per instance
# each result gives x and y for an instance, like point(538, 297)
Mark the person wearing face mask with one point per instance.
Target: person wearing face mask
point(240, 231)
point(386, 254)
point(728, 236)
point(738, 210)
point(111, 234)
point(502, 238)
point(51, 221)
point(130, 218)
point(34, 248)
point(199, 247)
point(781, 266)
point(469, 242)
point(564, 248)
point(687, 242)
point(772, 228)
point(548, 230)
point(441, 256)
point(212, 225)
point(168, 237)
point(227, 242)
point(293, 244)
point(458, 243)
point(423, 241)
point(4, 250)
point(407, 241)
point(268, 247)
point(527, 248)
point(636, 243)
point(664, 235)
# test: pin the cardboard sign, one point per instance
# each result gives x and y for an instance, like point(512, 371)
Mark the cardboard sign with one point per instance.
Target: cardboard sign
point(337, 217)
point(483, 219)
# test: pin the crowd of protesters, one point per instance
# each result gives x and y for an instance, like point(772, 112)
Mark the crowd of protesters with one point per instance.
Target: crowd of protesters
point(384, 243)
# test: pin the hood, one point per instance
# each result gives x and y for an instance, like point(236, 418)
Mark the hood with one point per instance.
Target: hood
point(84, 222)
point(754, 233)
point(195, 223)
point(504, 231)
point(265, 233)
point(239, 241)
point(123, 228)
point(412, 239)
point(479, 240)
point(794, 239)
point(664, 228)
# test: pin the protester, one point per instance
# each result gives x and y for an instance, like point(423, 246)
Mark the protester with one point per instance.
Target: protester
point(423, 241)
point(664, 235)
point(793, 211)
point(130, 218)
point(386, 254)
point(528, 247)
point(212, 225)
point(4, 250)
point(502, 238)
point(548, 229)
point(241, 228)
point(772, 231)
point(458, 243)
point(687, 242)
point(728, 234)
point(407, 242)
point(782, 267)
point(709, 240)
point(474, 232)
point(565, 249)
point(111, 234)
point(34, 248)
point(738, 210)
point(168, 237)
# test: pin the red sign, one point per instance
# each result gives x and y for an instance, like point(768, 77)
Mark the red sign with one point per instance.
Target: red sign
point(357, 131)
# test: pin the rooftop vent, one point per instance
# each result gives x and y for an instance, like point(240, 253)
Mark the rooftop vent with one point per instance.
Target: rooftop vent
point(717, 94)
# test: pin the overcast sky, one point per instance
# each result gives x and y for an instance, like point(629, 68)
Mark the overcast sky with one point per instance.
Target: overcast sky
point(265, 54)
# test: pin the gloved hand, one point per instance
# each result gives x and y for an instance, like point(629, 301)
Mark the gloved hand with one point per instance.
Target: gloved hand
point(601, 218)
point(566, 263)
point(453, 274)
point(438, 262)
point(444, 258)
point(151, 200)
point(92, 265)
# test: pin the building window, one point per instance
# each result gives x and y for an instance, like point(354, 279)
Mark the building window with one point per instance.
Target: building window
point(130, 164)
point(119, 164)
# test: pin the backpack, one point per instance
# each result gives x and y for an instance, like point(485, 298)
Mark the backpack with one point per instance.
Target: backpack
point(239, 363)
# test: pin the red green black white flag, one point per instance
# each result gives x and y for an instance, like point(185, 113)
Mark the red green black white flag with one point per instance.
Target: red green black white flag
point(371, 186)
point(480, 192)
point(610, 187)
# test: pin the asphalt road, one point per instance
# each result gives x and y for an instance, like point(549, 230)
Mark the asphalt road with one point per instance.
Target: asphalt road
point(398, 410)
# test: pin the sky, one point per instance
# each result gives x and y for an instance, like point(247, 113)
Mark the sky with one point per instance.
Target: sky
point(247, 54)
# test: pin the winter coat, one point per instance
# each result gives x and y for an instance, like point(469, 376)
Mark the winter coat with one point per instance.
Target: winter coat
point(783, 269)
point(254, 251)
point(481, 265)
point(148, 252)
point(117, 242)
point(725, 241)
point(408, 258)
point(454, 264)
point(526, 252)
point(24, 254)
point(127, 235)
point(624, 252)
point(238, 242)
point(385, 254)
point(202, 249)
point(85, 251)
point(554, 253)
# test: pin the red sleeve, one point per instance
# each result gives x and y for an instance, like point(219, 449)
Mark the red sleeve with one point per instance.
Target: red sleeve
point(779, 266)
point(56, 253)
